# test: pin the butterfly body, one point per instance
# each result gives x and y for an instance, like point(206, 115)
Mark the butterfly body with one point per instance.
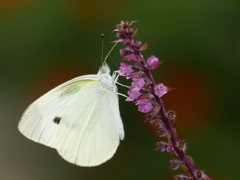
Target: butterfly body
point(79, 118)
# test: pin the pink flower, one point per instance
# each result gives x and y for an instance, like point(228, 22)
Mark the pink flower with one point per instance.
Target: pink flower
point(170, 147)
point(162, 146)
point(175, 164)
point(153, 62)
point(132, 58)
point(125, 69)
point(182, 177)
point(138, 83)
point(133, 94)
point(138, 44)
point(160, 89)
point(125, 52)
point(134, 91)
point(122, 52)
point(127, 41)
point(144, 105)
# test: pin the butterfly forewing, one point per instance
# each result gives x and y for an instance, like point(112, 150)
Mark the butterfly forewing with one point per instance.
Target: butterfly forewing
point(40, 120)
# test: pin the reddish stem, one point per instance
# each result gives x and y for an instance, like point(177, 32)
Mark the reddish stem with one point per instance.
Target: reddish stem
point(174, 139)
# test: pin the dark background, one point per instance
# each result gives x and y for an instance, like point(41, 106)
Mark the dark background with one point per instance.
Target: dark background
point(44, 43)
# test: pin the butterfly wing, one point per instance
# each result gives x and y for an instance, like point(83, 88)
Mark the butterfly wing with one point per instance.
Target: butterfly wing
point(91, 127)
point(40, 120)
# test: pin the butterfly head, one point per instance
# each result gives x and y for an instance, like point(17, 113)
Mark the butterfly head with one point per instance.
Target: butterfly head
point(104, 69)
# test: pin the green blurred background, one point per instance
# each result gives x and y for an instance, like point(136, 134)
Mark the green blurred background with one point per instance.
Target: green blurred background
point(44, 43)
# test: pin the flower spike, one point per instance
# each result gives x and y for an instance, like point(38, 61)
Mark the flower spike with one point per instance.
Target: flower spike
point(147, 95)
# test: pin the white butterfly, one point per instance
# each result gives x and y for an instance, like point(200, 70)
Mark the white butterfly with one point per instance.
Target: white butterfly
point(79, 118)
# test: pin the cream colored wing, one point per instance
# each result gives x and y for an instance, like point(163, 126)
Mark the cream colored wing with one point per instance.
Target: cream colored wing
point(91, 127)
point(40, 120)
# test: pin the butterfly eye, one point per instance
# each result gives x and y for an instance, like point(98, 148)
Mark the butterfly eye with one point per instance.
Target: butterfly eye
point(57, 119)
point(105, 69)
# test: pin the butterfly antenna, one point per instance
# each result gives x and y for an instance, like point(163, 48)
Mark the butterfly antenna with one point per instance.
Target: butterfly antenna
point(109, 53)
point(102, 48)
point(113, 61)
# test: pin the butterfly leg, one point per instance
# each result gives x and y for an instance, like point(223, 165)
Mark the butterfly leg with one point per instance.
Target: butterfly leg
point(120, 94)
point(115, 76)
point(122, 85)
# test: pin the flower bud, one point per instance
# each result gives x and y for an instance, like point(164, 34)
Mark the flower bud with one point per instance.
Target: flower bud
point(153, 62)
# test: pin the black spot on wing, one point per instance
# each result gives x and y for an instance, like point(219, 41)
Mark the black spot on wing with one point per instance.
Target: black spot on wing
point(57, 119)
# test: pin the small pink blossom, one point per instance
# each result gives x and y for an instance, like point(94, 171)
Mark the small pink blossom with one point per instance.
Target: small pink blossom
point(160, 89)
point(138, 83)
point(153, 62)
point(133, 94)
point(134, 91)
point(144, 105)
point(182, 177)
point(138, 44)
point(132, 58)
point(131, 30)
point(125, 69)
point(125, 52)
point(175, 164)
point(170, 147)
point(122, 52)
point(127, 41)
point(162, 146)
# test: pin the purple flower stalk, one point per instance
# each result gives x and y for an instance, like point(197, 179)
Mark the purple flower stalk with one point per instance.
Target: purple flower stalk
point(147, 95)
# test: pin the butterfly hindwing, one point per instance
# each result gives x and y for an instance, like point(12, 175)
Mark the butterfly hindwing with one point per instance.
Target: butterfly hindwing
point(89, 132)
